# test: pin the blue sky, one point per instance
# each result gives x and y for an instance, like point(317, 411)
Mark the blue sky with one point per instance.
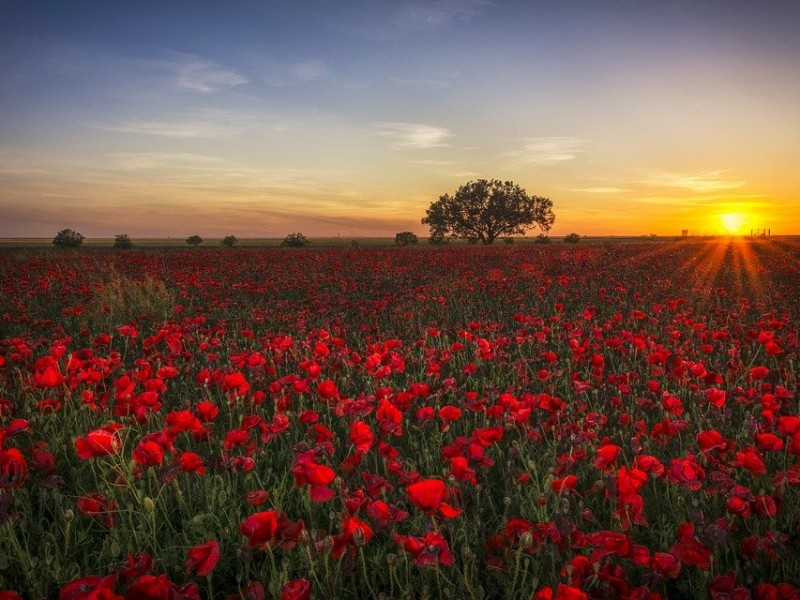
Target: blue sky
point(264, 118)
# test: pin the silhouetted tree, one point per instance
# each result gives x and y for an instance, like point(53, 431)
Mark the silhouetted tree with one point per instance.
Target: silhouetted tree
point(295, 240)
point(229, 241)
point(572, 238)
point(406, 238)
point(484, 210)
point(194, 240)
point(122, 241)
point(67, 238)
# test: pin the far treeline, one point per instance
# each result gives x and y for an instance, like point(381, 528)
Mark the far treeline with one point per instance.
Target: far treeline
point(479, 211)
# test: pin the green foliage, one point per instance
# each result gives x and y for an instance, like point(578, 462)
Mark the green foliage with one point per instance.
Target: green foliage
point(485, 210)
point(229, 241)
point(122, 241)
point(295, 240)
point(194, 240)
point(572, 238)
point(122, 299)
point(67, 238)
point(406, 238)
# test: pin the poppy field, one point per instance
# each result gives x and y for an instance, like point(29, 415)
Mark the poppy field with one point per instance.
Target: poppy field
point(528, 421)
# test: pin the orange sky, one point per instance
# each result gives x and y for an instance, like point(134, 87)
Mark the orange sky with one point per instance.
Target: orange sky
point(260, 120)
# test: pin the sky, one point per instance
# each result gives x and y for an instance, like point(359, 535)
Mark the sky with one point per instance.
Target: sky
point(349, 118)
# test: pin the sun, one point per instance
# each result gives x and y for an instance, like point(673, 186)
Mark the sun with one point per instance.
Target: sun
point(733, 222)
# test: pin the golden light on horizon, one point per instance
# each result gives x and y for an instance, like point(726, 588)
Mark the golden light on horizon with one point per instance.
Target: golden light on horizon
point(733, 222)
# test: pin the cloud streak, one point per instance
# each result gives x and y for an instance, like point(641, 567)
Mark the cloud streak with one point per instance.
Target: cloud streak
point(709, 181)
point(414, 136)
point(547, 151)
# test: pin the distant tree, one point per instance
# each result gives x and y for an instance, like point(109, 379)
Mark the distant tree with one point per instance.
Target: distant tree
point(295, 240)
point(229, 241)
point(406, 238)
point(485, 210)
point(194, 240)
point(542, 238)
point(508, 240)
point(572, 238)
point(67, 238)
point(122, 241)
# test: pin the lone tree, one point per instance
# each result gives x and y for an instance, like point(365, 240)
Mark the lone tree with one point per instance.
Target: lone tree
point(122, 241)
point(67, 238)
point(484, 210)
point(229, 241)
point(406, 238)
point(194, 240)
point(295, 240)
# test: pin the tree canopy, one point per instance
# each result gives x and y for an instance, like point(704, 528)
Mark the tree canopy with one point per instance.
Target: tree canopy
point(68, 238)
point(485, 210)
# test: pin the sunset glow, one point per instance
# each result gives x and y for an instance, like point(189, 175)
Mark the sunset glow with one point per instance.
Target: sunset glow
point(262, 118)
point(733, 223)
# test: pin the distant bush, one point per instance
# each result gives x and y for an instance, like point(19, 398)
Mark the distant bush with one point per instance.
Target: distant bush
point(437, 240)
point(295, 240)
point(355, 243)
point(508, 240)
point(194, 240)
point(406, 238)
point(67, 238)
point(572, 238)
point(542, 238)
point(122, 241)
point(229, 241)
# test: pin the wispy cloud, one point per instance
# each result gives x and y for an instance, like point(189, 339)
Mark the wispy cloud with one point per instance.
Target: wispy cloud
point(188, 129)
point(414, 136)
point(201, 75)
point(547, 150)
point(310, 70)
point(709, 181)
point(599, 190)
point(435, 15)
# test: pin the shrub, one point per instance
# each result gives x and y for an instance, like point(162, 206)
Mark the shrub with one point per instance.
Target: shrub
point(295, 240)
point(406, 238)
point(229, 241)
point(508, 240)
point(67, 238)
point(194, 240)
point(572, 238)
point(122, 241)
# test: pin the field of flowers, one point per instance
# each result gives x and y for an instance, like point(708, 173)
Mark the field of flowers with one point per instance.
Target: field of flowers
point(543, 421)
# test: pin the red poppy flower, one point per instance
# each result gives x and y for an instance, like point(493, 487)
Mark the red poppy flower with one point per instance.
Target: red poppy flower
point(190, 462)
point(354, 533)
point(429, 495)
point(99, 508)
point(607, 456)
point(99, 442)
point(271, 528)
point(148, 453)
point(90, 587)
point(13, 469)
point(666, 565)
point(202, 558)
point(564, 485)
point(430, 550)
point(686, 471)
point(256, 497)
point(361, 435)
point(296, 589)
